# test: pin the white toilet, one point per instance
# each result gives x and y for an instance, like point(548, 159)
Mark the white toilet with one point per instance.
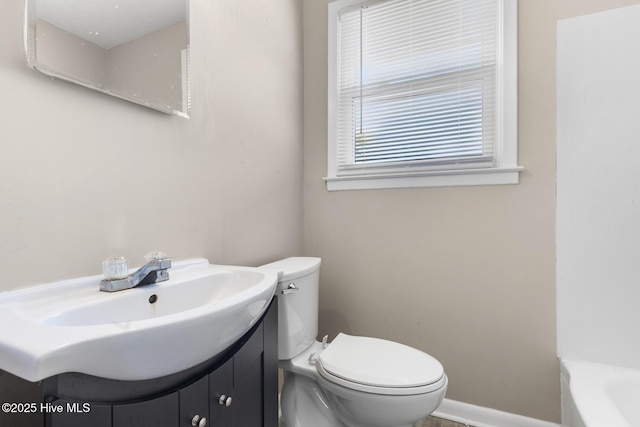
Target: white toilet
point(352, 381)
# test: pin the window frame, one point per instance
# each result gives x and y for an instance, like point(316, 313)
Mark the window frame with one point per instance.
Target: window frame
point(505, 169)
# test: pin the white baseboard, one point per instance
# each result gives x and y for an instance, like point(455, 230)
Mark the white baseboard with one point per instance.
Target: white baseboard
point(478, 416)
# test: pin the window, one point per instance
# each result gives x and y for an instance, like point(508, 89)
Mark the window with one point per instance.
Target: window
point(422, 93)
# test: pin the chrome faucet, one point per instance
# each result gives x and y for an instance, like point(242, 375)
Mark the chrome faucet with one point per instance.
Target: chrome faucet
point(155, 270)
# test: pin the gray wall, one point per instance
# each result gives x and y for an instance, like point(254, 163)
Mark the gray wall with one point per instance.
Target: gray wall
point(466, 274)
point(84, 175)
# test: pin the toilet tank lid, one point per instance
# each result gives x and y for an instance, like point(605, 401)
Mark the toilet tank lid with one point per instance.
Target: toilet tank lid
point(294, 267)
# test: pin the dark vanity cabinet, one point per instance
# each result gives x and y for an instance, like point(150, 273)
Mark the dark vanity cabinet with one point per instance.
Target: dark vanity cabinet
point(235, 389)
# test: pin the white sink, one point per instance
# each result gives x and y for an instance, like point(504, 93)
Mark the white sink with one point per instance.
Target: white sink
point(70, 326)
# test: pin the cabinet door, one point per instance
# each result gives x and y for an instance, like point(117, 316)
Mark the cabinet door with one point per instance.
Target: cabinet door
point(160, 412)
point(194, 404)
point(247, 396)
point(220, 391)
point(248, 382)
point(79, 414)
point(237, 389)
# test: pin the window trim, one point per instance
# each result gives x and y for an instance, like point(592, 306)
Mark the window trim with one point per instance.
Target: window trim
point(506, 169)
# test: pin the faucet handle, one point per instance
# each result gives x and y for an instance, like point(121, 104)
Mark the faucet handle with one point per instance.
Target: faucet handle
point(115, 267)
point(154, 255)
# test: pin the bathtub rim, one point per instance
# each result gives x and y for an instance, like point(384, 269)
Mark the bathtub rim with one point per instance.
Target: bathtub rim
point(585, 402)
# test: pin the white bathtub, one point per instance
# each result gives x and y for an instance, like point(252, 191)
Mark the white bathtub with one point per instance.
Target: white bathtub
point(597, 395)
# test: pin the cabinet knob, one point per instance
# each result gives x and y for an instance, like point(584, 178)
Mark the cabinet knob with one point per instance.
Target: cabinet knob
point(225, 400)
point(202, 421)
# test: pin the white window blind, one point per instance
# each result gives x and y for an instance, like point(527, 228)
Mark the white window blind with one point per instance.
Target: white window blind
point(416, 84)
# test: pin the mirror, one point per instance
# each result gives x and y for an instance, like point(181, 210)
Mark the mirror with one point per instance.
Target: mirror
point(137, 50)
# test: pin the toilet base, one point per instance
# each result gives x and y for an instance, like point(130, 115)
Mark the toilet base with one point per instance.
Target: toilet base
point(304, 403)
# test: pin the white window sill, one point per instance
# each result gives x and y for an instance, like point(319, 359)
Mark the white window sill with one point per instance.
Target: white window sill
point(488, 176)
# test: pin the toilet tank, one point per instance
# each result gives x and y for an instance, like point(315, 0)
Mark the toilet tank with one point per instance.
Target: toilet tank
point(297, 309)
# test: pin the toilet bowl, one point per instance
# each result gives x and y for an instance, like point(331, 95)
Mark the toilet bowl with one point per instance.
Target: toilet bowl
point(353, 381)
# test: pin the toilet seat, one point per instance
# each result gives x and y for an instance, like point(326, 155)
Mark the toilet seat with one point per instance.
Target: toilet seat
point(379, 366)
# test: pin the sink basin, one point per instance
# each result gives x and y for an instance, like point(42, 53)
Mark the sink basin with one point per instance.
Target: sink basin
point(136, 334)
